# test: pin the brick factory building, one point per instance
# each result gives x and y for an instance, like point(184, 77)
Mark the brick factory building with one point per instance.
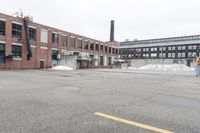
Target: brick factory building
point(181, 50)
point(25, 44)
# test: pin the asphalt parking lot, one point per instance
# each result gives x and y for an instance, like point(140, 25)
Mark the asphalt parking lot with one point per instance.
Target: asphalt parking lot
point(98, 101)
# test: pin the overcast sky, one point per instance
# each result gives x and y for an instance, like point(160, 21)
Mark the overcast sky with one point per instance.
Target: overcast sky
point(141, 19)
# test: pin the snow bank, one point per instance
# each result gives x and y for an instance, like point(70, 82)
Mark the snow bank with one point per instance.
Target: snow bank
point(62, 68)
point(167, 67)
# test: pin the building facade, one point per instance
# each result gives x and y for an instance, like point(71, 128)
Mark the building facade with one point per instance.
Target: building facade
point(26, 44)
point(175, 48)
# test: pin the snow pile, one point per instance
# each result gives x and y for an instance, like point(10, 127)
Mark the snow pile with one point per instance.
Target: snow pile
point(62, 68)
point(167, 67)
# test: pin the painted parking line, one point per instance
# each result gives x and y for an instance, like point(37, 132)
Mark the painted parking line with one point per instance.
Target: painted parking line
point(132, 123)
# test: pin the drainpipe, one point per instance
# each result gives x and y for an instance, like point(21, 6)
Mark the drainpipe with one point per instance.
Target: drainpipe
point(29, 52)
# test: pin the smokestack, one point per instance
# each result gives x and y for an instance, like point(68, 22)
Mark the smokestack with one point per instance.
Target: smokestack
point(112, 31)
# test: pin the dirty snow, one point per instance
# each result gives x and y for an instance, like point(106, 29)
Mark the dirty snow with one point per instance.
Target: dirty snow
point(62, 68)
point(166, 67)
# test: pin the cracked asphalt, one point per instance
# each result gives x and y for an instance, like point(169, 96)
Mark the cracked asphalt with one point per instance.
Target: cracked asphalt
point(35, 101)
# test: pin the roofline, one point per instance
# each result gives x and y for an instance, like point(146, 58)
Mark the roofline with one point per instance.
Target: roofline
point(49, 27)
point(167, 38)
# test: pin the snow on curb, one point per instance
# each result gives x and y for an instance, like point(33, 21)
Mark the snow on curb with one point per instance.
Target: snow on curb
point(63, 68)
point(167, 67)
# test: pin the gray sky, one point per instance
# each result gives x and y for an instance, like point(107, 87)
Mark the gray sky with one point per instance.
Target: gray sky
point(141, 19)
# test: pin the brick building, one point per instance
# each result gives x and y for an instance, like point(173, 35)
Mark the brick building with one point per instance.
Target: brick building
point(26, 44)
point(183, 50)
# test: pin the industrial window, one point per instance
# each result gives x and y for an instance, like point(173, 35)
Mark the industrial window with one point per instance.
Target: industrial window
point(97, 47)
point(17, 51)
point(183, 55)
point(179, 47)
point(189, 54)
point(113, 50)
point(179, 55)
point(79, 43)
point(16, 30)
point(92, 46)
point(169, 48)
point(106, 49)
point(173, 48)
point(160, 55)
point(54, 54)
point(192, 54)
point(64, 41)
point(173, 55)
point(2, 53)
point(190, 47)
point(44, 36)
point(117, 51)
point(194, 47)
point(72, 42)
point(183, 47)
point(101, 48)
point(164, 55)
point(147, 49)
point(86, 45)
point(109, 61)
point(2, 27)
point(101, 60)
point(154, 49)
point(55, 38)
point(162, 48)
point(153, 55)
point(110, 50)
point(32, 33)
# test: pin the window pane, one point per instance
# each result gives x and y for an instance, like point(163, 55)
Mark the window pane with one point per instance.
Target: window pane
point(2, 27)
point(72, 42)
point(32, 33)
point(86, 45)
point(64, 41)
point(17, 51)
point(79, 43)
point(16, 30)
point(44, 36)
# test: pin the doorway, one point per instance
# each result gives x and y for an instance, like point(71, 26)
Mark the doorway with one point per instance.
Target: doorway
point(42, 63)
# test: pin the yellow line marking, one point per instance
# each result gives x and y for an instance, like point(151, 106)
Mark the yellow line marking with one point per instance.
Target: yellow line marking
point(132, 123)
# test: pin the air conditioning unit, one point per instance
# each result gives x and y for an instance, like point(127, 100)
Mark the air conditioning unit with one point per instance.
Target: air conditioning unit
point(9, 55)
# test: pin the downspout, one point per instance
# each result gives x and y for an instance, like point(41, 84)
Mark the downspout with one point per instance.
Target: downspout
point(29, 52)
